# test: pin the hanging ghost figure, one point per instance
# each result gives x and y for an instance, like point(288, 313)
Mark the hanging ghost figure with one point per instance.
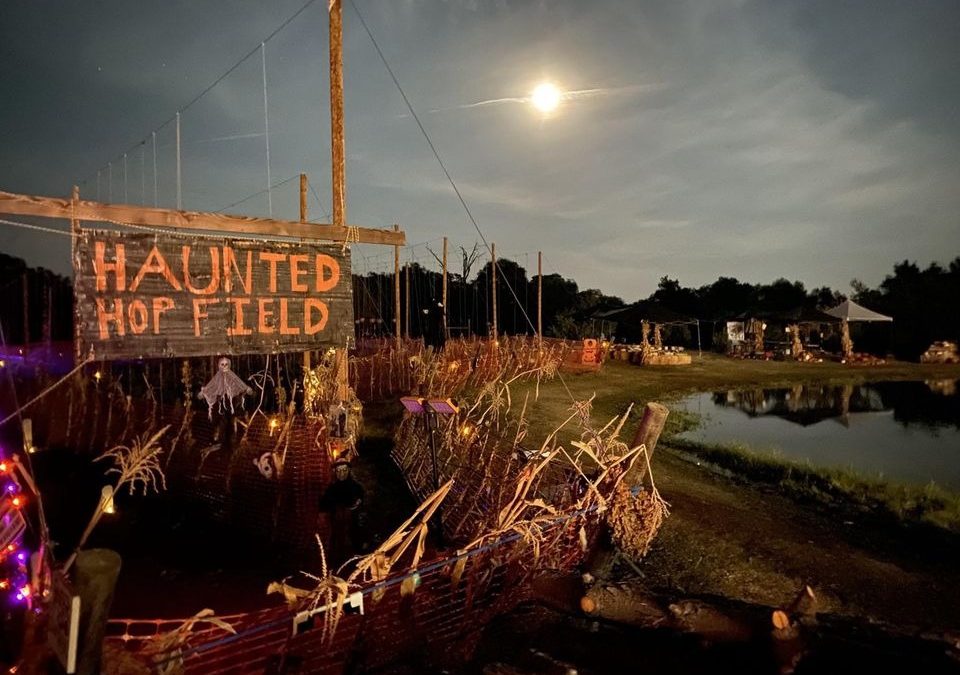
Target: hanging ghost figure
point(224, 387)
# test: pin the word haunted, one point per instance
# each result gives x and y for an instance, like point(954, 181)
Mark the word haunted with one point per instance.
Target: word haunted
point(140, 295)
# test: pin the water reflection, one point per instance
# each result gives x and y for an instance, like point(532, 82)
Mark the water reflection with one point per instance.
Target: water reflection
point(933, 403)
point(906, 431)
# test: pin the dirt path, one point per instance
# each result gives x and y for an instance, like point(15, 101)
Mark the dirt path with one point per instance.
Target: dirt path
point(742, 541)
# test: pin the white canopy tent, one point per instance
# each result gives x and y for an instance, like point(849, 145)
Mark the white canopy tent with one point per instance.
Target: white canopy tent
point(848, 310)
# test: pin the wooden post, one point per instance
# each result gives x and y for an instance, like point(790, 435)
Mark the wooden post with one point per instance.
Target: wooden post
point(699, 349)
point(303, 197)
point(406, 269)
point(443, 293)
point(396, 289)
point(540, 298)
point(648, 433)
point(493, 271)
point(303, 219)
point(337, 149)
point(96, 579)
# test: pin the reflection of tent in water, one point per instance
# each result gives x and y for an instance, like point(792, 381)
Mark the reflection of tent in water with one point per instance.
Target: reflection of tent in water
point(805, 404)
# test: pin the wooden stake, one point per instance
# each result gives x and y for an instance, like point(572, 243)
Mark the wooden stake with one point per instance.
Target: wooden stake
point(540, 298)
point(396, 289)
point(444, 289)
point(407, 274)
point(493, 270)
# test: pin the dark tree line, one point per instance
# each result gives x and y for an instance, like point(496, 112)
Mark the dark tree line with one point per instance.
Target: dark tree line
point(924, 304)
point(36, 304)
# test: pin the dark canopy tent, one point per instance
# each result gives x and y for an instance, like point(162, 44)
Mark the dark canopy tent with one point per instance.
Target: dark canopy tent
point(625, 322)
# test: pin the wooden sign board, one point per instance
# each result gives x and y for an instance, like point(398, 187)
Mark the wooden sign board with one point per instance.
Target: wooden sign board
point(144, 295)
point(63, 623)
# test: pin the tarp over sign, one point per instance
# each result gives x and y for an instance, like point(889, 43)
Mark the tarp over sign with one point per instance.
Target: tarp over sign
point(142, 295)
point(851, 311)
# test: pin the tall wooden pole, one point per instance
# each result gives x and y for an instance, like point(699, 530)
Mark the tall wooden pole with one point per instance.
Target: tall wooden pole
point(338, 153)
point(444, 289)
point(179, 174)
point(303, 197)
point(75, 232)
point(493, 270)
point(407, 312)
point(303, 219)
point(540, 298)
point(336, 112)
point(396, 289)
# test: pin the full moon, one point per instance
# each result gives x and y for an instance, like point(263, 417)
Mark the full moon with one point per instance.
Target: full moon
point(545, 97)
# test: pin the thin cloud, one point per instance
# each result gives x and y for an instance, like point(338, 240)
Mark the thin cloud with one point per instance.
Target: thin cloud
point(571, 95)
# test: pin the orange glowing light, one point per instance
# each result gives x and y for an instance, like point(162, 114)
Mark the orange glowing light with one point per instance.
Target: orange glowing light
point(18, 502)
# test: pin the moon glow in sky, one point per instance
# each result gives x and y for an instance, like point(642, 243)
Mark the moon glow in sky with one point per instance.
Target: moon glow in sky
point(545, 97)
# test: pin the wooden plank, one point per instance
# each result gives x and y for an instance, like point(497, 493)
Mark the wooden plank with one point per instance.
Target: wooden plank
point(143, 296)
point(50, 207)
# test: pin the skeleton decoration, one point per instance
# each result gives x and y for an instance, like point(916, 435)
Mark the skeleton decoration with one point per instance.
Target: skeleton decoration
point(223, 387)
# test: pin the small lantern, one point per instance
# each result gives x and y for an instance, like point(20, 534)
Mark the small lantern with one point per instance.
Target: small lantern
point(106, 500)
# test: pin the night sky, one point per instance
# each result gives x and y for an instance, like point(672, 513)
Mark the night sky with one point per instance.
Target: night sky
point(808, 139)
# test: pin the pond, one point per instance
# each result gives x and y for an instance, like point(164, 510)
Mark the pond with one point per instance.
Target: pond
point(906, 432)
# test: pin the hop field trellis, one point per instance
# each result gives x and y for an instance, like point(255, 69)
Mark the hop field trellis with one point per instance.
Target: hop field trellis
point(380, 370)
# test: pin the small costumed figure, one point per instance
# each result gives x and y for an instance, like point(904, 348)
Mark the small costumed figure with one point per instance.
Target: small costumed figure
point(223, 388)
